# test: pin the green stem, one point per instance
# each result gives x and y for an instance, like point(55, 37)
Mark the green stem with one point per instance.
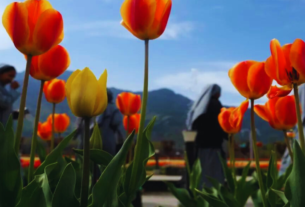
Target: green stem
point(256, 156)
point(232, 155)
point(86, 166)
point(22, 104)
point(138, 148)
point(300, 125)
point(53, 127)
point(187, 164)
point(288, 145)
point(34, 138)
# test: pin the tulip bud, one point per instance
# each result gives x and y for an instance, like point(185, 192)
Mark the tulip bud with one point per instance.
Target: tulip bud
point(96, 139)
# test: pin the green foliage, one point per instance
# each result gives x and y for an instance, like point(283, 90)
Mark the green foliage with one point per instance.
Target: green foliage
point(137, 170)
point(295, 186)
point(64, 195)
point(96, 139)
point(105, 190)
point(10, 177)
point(97, 156)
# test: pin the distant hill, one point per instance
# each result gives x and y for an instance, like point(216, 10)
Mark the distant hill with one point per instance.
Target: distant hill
point(170, 108)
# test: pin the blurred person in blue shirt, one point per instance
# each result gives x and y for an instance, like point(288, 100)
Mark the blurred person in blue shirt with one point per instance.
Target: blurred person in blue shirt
point(8, 93)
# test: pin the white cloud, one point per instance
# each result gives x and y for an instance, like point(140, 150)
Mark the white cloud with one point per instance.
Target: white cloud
point(115, 29)
point(194, 80)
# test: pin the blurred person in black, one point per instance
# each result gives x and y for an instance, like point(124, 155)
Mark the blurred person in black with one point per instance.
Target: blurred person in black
point(203, 118)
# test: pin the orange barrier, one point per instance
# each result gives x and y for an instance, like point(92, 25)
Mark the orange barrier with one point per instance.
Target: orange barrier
point(180, 163)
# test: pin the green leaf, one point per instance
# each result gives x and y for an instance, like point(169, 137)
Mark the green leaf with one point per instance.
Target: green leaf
point(96, 139)
point(257, 199)
point(213, 201)
point(10, 177)
point(136, 179)
point(215, 183)
point(55, 154)
point(99, 157)
point(79, 173)
point(244, 190)
point(283, 178)
point(38, 192)
point(105, 190)
point(228, 197)
point(181, 194)
point(195, 176)
point(271, 182)
point(228, 173)
point(64, 194)
point(244, 174)
point(295, 186)
point(281, 195)
point(41, 151)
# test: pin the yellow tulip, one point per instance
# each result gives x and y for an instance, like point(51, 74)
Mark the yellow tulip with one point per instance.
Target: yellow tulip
point(87, 96)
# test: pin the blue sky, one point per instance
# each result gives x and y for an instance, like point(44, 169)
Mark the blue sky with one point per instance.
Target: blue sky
point(203, 40)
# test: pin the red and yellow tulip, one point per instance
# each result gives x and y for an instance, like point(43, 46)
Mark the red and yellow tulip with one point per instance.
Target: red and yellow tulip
point(34, 26)
point(132, 122)
point(44, 130)
point(61, 122)
point(280, 112)
point(286, 65)
point(54, 91)
point(51, 64)
point(250, 79)
point(146, 19)
point(128, 103)
point(230, 119)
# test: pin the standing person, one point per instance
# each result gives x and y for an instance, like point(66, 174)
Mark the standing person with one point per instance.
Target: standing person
point(286, 160)
point(203, 118)
point(111, 126)
point(7, 97)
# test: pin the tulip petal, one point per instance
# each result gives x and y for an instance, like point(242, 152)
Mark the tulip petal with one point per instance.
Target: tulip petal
point(35, 9)
point(163, 11)
point(258, 81)
point(55, 92)
point(274, 91)
point(260, 110)
point(238, 75)
point(237, 115)
point(272, 71)
point(297, 58)
point(53, 63)
point(223, 119)
point(83, 94)
point(285, 112)
point(279, 59)
point(101, 100)
point(69, 86)
point(270, 109)
point(14, 20)
point(48, 31)
point(138, 14)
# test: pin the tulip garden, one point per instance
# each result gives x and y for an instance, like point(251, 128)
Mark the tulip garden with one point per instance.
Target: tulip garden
point(36, 29)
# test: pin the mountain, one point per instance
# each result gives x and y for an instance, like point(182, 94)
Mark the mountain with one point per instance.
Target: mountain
point(170, 108)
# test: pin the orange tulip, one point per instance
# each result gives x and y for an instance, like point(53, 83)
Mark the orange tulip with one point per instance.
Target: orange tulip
point(128, 103)
point(54, 91)
point(286, 64)
point(259, 144)
point(51, 64)
point(61, 122)
point(230, 119)
point(146, 19)
point(44, 130)
point(290, 134)
point(132, 122)
point(250, 79)
point(34, 26)
point(280, 112)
